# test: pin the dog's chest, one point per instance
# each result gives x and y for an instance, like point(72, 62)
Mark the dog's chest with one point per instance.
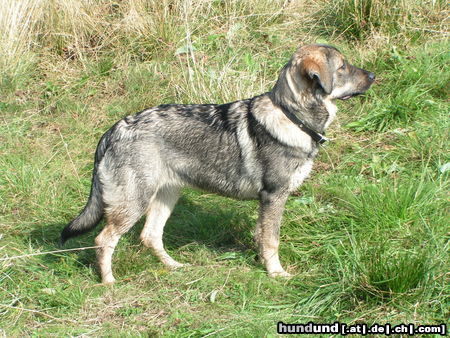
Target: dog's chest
point(300, 174)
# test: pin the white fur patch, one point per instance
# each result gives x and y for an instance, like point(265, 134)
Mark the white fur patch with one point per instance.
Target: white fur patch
point(300, 175)
point(290, 83)
point(251, 180)
point(339, 91)
point(332, 110)
point(280, 127)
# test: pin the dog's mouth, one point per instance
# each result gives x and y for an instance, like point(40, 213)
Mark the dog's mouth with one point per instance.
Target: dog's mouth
point(346, 97)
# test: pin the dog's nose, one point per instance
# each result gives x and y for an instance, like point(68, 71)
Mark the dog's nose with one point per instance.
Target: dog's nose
point(371, 76)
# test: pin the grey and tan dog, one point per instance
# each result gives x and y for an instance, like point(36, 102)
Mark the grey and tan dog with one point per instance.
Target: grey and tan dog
point(260, 148)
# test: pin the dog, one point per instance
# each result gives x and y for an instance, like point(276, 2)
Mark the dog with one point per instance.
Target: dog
point(260, 148)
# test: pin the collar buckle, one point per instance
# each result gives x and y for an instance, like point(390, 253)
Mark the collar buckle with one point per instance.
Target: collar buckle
point(322, 139)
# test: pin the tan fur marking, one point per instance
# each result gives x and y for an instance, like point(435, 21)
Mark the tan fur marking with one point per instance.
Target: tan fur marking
point(315, 66)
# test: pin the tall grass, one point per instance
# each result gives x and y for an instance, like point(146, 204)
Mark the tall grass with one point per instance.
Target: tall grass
point(393, 238)
point(88, 26)
point(74, 28)
point(358, 19)
point(18, 21)
point(146, 30)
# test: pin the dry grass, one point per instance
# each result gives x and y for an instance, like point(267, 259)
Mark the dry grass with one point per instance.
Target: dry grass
point(17, 31)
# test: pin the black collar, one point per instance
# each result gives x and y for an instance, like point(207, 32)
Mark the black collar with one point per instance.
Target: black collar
point(319, 138)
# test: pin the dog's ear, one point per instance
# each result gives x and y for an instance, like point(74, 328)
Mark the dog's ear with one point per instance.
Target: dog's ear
point(316, 69)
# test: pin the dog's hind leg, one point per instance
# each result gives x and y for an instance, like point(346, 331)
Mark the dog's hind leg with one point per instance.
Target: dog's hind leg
point(158, 212)
point(119, 221)
point(268, 231)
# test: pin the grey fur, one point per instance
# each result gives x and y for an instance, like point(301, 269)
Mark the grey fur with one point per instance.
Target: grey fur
point(246, 149)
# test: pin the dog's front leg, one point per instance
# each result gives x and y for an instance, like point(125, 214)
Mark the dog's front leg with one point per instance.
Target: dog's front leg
point(268, 231)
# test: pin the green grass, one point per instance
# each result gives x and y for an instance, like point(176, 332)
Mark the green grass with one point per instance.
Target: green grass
point(366, 237)
point(358, 19)
point(420, 80)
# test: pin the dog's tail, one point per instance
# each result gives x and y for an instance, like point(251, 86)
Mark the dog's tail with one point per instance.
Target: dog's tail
point(94, 209)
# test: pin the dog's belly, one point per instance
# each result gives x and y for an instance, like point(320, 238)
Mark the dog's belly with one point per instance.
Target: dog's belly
point(231, 184)
point(245, 186)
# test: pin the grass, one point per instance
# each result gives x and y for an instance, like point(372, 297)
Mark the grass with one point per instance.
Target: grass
point(366, 237)
point(358, 19)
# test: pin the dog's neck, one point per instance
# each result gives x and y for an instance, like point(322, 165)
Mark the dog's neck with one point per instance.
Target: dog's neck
point(304, 100)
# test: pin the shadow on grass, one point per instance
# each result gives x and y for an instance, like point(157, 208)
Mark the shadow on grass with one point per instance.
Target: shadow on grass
point(223, 223)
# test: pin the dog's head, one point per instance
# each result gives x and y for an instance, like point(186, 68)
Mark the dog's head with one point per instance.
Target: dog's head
point(324, 68)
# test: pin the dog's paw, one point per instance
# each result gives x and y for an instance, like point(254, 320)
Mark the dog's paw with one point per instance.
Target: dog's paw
point(175, 265)
point(110, 280)
point(282, 274)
